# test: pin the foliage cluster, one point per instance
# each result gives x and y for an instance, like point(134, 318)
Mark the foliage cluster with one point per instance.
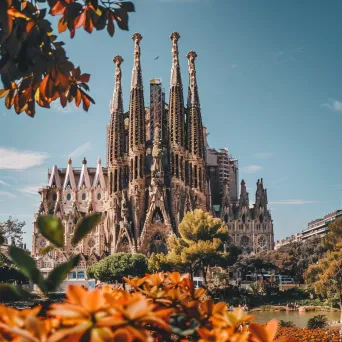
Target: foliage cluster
point(33, 63)
point(52, 229)
point(199, 246)
point(119, 265)
point(161, 307)
point(308, 335)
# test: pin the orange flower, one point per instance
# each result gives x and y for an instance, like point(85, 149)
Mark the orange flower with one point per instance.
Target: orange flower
point(83, 310)
point(134, 314)
point(226, 319)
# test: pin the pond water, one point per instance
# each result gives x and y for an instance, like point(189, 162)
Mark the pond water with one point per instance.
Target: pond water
point(300, 319)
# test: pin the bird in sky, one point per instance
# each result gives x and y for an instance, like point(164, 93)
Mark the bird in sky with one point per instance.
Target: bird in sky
point(156, 58)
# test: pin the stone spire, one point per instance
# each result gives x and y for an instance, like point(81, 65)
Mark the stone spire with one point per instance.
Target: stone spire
point(176, 100)
point(137, 108)
point(116, 127)
point(136, 152)
point(195, 140)
point(244, 198)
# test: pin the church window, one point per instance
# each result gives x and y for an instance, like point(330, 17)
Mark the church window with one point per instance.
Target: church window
point(226, 218)
point(51, 211)
point(262, 243)
point(91, 243)
point(84, 196)
point(195, 176)
point(115, 180)
point(172, 163)
point(244, 218)
point(261, 218)
point(177, 166)
point(244, 242)
point(157, 216)
point(54, 197)
point(131, 171)
point(99, 196)
point(68, 197)
point(182, 168)
point(136, 167)
point(200, 178)
point(141, 167)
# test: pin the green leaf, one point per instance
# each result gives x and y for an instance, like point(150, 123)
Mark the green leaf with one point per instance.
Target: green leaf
point(84, 226)
point(51, 227)
point(59, 273)
point(46, 249)
point(10, 293)
point(27, 265)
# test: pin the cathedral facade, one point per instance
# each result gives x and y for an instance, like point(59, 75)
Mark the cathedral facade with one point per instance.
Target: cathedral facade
point(159, 167)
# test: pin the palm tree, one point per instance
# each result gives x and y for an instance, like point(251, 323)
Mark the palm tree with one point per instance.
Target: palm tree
point(317, 322)
point(286, 324)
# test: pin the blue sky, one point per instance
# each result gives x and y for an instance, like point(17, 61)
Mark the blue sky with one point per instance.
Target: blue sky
point(269, 76)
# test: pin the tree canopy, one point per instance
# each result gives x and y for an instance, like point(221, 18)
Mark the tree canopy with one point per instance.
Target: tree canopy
point(326, 276)
point(334, 235)
point(117, 266)
point(12, 230)
point(199, 246)
point(34, 66)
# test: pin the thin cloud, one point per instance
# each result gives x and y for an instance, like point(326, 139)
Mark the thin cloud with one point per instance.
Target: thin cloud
point(79, 151)
point(264, 155)
point(333, 104)
point(7, 194)
point(31, 189)
point(4, 183)
point(251, 169)
point(293, 202)
point(11, 159)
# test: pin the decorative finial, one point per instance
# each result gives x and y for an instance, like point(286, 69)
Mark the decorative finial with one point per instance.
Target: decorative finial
point(191, 56)
point(84, 161)
point(137, 37)
point(174, 36)
point(243, 182)
point(69, 161)
point(118, 60)
point(99, 160)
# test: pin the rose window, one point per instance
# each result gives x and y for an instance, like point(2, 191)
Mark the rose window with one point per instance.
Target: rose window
point(91, 243)
point(244, 242)
point(262, 243)
point(42, 243)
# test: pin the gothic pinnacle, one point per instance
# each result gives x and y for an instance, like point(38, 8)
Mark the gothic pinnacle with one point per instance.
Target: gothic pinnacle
point(193, 98)
point(136, 75)
point(118, 60)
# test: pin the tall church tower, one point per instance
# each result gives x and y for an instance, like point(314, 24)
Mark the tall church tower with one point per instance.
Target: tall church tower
point(116, 162)
point(195, 139)
point(136, 149)
point(176, 128)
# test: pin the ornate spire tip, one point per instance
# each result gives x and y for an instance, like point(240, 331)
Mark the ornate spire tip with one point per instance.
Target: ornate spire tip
point(118, 60)
point(99, 160)
point(84, 161)
point(191, 55)
point(175, 36)
point(69, 161)
point(137, 37)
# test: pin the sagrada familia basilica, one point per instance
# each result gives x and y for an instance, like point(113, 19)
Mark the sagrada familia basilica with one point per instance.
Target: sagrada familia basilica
point(159, 167)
